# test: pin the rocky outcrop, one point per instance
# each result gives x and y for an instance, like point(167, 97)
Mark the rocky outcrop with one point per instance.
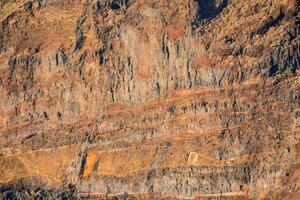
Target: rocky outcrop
point(138, 99)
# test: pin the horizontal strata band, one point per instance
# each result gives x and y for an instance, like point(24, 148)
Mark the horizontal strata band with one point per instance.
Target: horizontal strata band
point(149, 99)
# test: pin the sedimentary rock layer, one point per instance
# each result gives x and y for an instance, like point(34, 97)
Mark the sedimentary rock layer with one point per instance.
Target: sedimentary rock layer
point(140, 99)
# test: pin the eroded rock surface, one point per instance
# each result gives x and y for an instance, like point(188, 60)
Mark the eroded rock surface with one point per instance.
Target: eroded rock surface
point(149, 99)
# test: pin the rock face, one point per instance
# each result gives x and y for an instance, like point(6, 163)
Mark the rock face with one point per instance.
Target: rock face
point(149, 99)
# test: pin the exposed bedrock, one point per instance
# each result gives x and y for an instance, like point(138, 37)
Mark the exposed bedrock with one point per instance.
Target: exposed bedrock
point(140, 99)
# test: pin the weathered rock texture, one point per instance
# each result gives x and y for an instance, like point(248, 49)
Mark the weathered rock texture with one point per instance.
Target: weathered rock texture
point(149, 99)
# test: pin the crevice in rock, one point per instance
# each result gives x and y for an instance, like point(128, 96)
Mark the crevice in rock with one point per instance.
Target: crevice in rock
point(79, 33)
point(208, 10)
point(271, 21)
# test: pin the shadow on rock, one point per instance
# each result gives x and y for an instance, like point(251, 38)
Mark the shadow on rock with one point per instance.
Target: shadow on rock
point(208, 10)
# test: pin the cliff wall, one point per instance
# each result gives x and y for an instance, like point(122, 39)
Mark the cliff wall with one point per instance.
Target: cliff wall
point(149, 99)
